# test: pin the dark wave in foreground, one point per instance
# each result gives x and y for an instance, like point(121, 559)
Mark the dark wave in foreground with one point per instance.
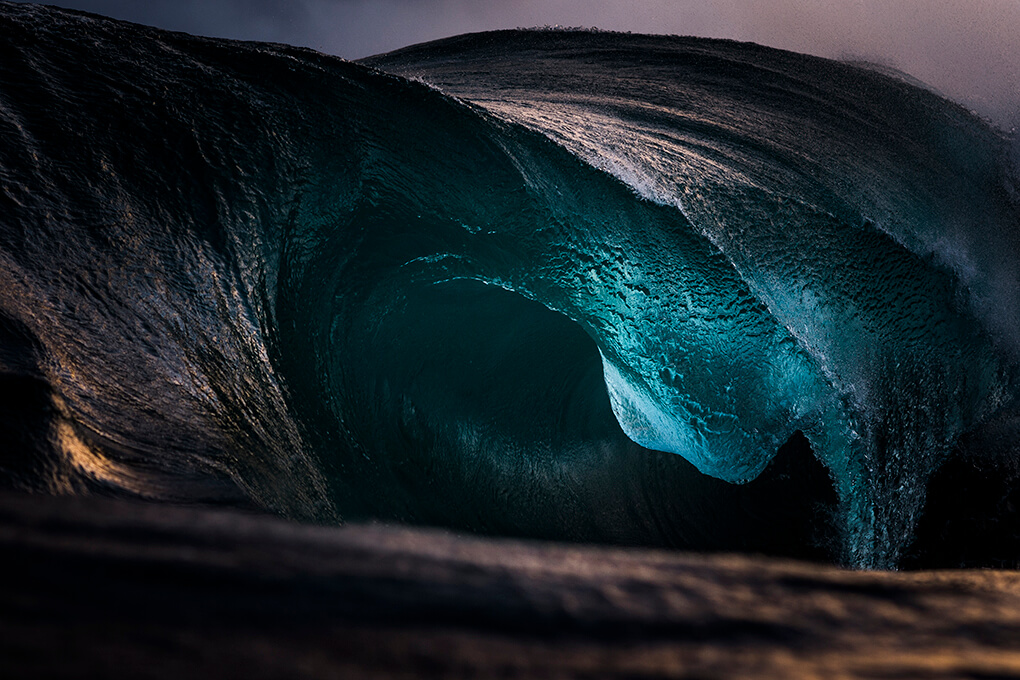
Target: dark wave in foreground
point(138, 591)
point(498, 284)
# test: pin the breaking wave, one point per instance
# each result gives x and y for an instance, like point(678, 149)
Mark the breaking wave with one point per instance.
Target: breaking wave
point(498, 281)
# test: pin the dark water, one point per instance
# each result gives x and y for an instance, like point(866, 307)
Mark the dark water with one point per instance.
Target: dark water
point(577, 286)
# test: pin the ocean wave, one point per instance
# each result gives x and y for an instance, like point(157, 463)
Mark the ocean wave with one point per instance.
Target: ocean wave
point(501, 298)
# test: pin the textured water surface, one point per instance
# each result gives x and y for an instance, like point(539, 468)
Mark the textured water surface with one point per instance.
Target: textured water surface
point(580, 286)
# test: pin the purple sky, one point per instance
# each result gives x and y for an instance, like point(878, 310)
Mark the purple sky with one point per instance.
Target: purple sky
point(967, 49)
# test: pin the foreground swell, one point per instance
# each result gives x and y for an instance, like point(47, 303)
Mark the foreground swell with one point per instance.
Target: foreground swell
point(124, 583)
point(287, 282)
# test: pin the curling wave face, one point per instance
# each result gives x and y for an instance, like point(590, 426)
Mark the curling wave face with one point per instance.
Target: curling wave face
point(502, 298)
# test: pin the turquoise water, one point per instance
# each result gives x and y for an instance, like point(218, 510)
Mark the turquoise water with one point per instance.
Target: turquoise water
point(580, 286)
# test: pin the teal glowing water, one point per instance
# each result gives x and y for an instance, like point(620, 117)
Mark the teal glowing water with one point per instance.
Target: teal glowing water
point(254, 274)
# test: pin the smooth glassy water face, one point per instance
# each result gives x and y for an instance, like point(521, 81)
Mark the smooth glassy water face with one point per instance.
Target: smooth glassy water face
point(584, 287)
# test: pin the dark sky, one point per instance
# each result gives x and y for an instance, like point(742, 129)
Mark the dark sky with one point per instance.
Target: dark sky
point(967, 49)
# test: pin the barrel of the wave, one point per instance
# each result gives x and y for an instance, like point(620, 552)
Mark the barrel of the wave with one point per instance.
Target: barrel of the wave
point(873, 222)
point(697, 364)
